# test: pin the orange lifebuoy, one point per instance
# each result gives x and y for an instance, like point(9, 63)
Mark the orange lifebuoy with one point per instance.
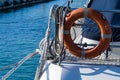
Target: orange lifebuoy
point(104, 28)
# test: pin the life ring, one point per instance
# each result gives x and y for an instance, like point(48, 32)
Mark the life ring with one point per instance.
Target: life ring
point(101, 22)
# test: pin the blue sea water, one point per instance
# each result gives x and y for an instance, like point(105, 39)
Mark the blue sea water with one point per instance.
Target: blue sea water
point(21, 30)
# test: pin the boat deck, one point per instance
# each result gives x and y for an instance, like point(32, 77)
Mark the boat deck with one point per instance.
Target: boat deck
point(71, 71)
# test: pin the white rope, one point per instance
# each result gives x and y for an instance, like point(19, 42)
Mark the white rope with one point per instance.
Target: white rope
point(18, 65)
point(45, 47)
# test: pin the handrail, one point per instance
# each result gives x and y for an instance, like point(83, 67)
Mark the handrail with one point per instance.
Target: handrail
point(114, 11)
point(111, 45)
point(115, 26)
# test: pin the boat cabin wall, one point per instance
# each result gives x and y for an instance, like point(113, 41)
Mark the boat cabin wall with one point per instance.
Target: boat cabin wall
point(113, 18)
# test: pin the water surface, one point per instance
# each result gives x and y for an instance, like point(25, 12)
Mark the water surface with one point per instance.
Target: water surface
point(21, 30)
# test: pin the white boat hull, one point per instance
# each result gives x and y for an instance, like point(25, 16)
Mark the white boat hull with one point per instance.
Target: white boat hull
point(69, 71)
